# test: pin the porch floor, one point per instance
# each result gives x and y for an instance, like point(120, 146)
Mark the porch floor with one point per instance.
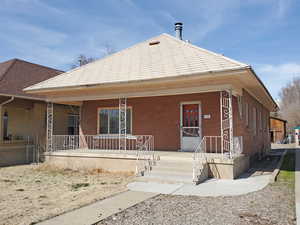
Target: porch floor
point(166, 155)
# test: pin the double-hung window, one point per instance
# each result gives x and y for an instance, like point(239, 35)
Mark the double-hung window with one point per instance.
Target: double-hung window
point(73, 124)
point(109, 120)
point(254, 121)
point(247, 114)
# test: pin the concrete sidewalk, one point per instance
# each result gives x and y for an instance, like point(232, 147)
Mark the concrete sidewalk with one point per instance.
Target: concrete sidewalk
point(97, 211)
point(211, 187)
point(297, 185)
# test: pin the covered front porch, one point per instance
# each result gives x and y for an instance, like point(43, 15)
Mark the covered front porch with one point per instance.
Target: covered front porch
point(133, 133)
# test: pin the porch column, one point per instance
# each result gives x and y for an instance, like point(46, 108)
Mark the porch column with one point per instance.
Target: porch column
point(226, 121)
point(122, 123)
point(49, 146)
point(230, 123)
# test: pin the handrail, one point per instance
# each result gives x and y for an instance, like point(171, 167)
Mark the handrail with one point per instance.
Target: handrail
point(214, 145)
point(196, 159)
point(145, 156)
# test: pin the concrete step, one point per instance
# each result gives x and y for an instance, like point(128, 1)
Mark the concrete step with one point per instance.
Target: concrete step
point(175, 167)
point(172, 163)
point(166, 178)
point(158, 171)
point(167, 169)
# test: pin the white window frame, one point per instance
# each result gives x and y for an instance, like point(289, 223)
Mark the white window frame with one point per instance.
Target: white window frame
point(108, 108)
point(254, 121)
point(247, 114)
point(260, 120)
point(240, 105)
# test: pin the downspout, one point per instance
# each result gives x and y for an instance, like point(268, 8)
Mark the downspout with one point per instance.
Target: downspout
point(1, 119)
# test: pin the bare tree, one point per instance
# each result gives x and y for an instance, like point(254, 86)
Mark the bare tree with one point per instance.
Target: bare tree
point(108, 49)
point(82, 60)
point(290, 102)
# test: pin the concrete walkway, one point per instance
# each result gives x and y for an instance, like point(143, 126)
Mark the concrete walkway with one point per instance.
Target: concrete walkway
point(211, 187)
point(297, 185)
point(97, 211)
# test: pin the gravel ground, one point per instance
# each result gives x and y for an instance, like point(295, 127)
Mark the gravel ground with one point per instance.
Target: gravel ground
point(32, 193)
point(273, 205)
point(270, 206)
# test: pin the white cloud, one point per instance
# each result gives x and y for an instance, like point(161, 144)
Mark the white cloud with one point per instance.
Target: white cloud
point(277, 76)
point(28, 7)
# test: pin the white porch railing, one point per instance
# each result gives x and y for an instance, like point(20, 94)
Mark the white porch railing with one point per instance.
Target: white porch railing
point(214, 145)
point(142, 146)
point(96, 142)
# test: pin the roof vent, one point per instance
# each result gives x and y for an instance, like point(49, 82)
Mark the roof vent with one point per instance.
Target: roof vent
point(154, 42)
point(178, 30)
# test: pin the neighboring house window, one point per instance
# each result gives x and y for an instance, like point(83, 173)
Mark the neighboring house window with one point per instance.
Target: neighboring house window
point(254, 120)
point(5, 126)
point(247, 114)
point(109, 121)
point(73, 124)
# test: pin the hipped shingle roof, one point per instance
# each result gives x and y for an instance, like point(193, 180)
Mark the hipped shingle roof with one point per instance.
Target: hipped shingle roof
point(159, 57)
point(17, 74)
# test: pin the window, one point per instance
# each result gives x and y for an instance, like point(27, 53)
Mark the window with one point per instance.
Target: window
point(247, 114)
point(254, 120)
point(109, 121)
point(5, 126)
point(73, 124)
point(260, 120)
point(240, 106)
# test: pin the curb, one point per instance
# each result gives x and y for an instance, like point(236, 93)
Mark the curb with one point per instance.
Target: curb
point(275, 173)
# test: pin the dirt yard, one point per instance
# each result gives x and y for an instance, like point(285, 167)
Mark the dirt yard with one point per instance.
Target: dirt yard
point(33, 193)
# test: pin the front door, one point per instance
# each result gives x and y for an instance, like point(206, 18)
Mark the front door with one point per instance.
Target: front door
point(190, 126)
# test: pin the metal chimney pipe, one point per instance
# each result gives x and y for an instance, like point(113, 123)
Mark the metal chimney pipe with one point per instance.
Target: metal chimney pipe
point(178, 30)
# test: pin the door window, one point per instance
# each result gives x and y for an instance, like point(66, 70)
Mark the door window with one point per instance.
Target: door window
point(190, 120)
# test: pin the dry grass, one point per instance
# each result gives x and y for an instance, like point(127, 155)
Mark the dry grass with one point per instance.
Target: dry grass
point(33, 193)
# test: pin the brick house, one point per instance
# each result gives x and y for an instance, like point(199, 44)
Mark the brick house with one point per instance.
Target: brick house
point(185, 97)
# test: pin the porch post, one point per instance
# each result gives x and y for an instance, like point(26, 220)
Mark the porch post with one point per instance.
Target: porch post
point(122, 123)
point(49, 146)
point(230, 122)
point(226, 122)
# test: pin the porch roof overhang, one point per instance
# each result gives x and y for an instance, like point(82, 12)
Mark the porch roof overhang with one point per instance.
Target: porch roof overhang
point(236, 80)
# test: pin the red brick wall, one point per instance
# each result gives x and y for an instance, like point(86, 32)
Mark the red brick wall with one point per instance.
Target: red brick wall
point(158, 116)
point(253, 143)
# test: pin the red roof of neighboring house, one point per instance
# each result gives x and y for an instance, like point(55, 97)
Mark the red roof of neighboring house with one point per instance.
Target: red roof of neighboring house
point(16, 74)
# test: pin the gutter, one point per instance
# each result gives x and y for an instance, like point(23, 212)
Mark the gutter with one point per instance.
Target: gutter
point(32, 90)
point(23, 97)
point(7, 101)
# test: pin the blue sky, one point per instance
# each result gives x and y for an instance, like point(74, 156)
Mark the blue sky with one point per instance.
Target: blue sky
point(262, 33)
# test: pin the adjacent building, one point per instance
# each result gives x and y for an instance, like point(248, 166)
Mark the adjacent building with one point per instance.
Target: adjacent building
point(23, 115)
